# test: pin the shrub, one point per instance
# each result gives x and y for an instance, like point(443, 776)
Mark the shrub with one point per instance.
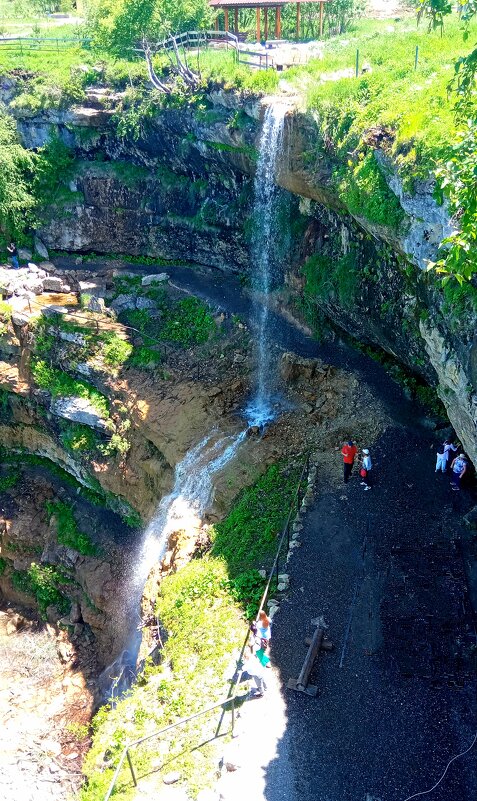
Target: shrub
point(77, 437)
point(7, 482)
point(3, 565)
point(188, 322)
point(144, 358)
point(42, 582)
point(115, 349)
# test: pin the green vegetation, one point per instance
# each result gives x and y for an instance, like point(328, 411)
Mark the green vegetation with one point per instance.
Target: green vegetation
point(198, 605)
point(78, 438)
point(17, 201)
point(144, 358)
point(185, 322)
point(9, 481)
point(3, 565)
point(94, 493)
point(68, 532)
point(115, 350)
point(43, 582)
point(328, 276)
point(62, 385)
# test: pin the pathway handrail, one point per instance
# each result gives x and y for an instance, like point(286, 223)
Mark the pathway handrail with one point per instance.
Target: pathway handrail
point(193, 39)
point(230, 699)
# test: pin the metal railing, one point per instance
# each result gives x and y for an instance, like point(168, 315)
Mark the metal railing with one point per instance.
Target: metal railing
point(194, 39)
point(231, 696)
point(26, 44)
point(251, 58)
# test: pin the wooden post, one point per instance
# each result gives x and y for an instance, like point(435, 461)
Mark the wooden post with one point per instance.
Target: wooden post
point(257, 17)
point(321, 20)
point(278, 23)
point(298, 21)
point(226, 13)
point(265, 22)
point(236, 27)
point(216, 23)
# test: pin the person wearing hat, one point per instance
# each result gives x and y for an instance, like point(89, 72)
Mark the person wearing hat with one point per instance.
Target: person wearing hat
point(349, 451)
point(364, 469)
point(458, 468)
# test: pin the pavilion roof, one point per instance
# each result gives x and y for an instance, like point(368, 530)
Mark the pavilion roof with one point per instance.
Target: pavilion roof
point(256, 3)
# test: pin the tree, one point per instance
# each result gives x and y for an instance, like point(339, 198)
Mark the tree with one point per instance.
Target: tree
point(17, 198)
point(119, 26)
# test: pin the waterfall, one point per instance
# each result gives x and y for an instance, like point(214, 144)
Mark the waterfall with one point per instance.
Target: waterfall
point(265, 255)
point(183, 508)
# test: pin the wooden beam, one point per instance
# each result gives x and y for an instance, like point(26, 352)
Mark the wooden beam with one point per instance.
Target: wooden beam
point(298, 10)
point(257, 18)
point(236, 28)
point(265, 22)
point(216, 23)
point(321, 20)
point(278, 23)
point(226, 13)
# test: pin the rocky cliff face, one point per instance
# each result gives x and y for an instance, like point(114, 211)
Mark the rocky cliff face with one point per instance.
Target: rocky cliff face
point(184, 190)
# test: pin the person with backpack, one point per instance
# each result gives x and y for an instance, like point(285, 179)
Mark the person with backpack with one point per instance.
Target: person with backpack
point(13, 255)
point(366, 465)
point(349, 451)
point(443, 453)
point(458, 470)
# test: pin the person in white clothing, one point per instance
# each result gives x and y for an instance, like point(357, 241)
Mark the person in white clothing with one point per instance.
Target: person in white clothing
point(365, 468)
point(443, 454)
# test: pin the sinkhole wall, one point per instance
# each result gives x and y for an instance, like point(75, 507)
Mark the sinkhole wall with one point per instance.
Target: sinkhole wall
point(355, 254)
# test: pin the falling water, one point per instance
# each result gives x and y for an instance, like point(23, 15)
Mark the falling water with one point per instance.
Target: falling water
point(264, 254)
point(182, 509)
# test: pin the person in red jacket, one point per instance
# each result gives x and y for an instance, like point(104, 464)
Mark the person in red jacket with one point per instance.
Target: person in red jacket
point(349, 451)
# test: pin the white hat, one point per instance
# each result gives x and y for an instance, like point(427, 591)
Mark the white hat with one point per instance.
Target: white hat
point(365, 451)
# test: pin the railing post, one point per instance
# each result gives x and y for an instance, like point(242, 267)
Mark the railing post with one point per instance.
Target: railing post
point(131, 768)
point(233, 714)
point(357, 64)
point(276, 570)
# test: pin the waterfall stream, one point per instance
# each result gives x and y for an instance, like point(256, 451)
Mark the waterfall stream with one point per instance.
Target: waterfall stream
point(265, 255)
point(193, 487)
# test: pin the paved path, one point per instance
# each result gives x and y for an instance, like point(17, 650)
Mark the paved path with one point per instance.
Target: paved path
point(381, 568)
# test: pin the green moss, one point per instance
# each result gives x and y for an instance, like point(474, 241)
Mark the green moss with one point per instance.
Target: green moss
point(328, 276)
point(144, 358)
point(363, 189)
point(67, 529)
point(246, 150)
point(43, 583)
point(3, 565)
point(9, 481)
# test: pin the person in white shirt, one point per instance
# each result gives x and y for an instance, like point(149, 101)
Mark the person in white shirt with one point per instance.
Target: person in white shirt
point(366, 465)
point(443, 455)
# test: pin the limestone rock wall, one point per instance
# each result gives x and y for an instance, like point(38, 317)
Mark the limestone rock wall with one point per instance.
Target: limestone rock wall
point(184, 190)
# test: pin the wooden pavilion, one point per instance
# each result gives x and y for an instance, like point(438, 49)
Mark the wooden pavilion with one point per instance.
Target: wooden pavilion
point(228, 6)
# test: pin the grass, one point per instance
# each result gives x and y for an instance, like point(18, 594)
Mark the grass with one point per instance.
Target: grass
point(62, 385)
point(67, 529)
point(185, 322)
point(201, 606)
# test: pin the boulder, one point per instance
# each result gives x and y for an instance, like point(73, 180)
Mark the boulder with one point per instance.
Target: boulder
point(48, 266)
point(123, 302)
point(172, 777)
point(20, 319)
point(94, 304)
point(79, 410)
point(40, 248)
point(293, 367)
point(145, 303)
point(25, 254)
point(75, 613)
point(35, 286)
point(52, 283)
point(158, 278)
